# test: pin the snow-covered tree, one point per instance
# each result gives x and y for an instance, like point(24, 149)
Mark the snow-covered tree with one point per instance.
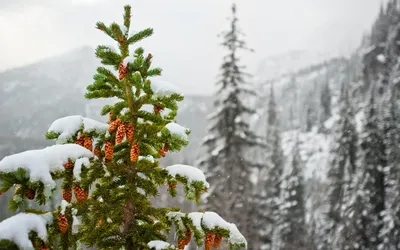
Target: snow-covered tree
point(373, 162)
point(230, 138)
point(271, 174)
point(390, 232)
point(112, 169)
point(291, 230)
point(325, 102)
point(342, 165)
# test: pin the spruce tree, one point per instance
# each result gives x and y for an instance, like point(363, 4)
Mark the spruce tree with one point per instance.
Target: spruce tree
point(325, 102)
point(373, 162)
point(112, 169)
point(342, 165)
point(271, 175)
point(230, 138)
point(291, 230)
point(390, 232)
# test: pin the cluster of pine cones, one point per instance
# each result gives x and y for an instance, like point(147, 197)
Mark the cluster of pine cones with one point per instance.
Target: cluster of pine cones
point(212, 241)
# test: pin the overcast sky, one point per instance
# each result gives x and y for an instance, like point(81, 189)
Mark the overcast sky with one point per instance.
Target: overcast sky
point(185, 42)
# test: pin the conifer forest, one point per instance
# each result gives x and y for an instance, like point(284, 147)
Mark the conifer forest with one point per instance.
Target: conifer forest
point(124, 144)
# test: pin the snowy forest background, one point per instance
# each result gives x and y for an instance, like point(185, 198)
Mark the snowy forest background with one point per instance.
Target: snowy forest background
point(326, 171)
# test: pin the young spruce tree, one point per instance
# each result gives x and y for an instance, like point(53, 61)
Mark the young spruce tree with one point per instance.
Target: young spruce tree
point(342, 165)
point(228, 140)
point(112, 169)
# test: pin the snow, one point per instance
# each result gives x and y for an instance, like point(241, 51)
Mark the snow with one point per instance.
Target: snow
point(164, 89)
point(64, 205)
point(68, 126)
point(235, 237)
point(78, 167)
point(196, 220)
point(381, 58)
point(76, 222)
point(127, 60)
point(191, 173)
point(18, 227)
point(212, 220)
point(147, 158)
point(40, 163)
point(177, 130)
point(158, 245)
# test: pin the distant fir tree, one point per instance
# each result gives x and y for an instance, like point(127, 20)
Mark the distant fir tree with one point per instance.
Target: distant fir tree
point(229, 139)
point(271, 175)
point(291, 230)
point(390, 232)
point(373, 162)
point(325, 102)
point(342, 165)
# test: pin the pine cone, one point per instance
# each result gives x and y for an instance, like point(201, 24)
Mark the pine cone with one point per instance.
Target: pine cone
point(120, 133)
point(208, 241)
point(97, 152)
point(188, 235)
point(1, 192)
point(122, 70)
point(166, 148)
point(99, 223)
point(87, 143)
point(30, 194)
point(171, 185)
point(217, 241)
point(80, 194)
point(67, 194)
point(130, 132)
point(80, 141)
point(109, 150)
point(63, 223)
point(114, 125)
point(135, 151)
point(181, 243)
point(157, 109)
point(68, 165)
point(161, 152)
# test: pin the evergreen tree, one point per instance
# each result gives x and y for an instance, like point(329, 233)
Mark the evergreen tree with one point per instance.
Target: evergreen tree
point(271, 175)
point(390, 232)
point(373, 162)
point(228, 140)
point(325, 102)
point(342, 165)
point(112, 169)
point(291, 230)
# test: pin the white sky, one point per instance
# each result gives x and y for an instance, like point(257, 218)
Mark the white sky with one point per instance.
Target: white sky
point(185, 42)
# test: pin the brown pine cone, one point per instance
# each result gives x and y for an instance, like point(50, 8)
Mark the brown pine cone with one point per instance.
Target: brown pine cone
point(67, 194)
point(109, 150)
point(80, 141)
point(208, 241)
point(161, 152)
point(135, 151)
point(171, 185)
point(63, 223)
point(188, 235)
point(68, 165)
point(30, 194)
point(114, 125)
point(87, 143)
point(120, 133)
point(166, 148)
point(97, 152)
point(130, 132)
point(217, 241)
point(99, 223)
point(80, 194)
point(157, 109)
point(122, 70)
point(181, 243)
